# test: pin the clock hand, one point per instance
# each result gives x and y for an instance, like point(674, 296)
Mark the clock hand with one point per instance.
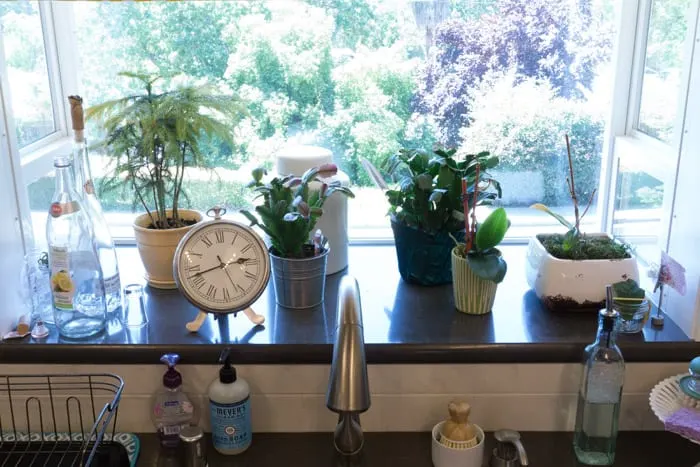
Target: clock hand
point(230, 278)
point(242, 260)
point(202, 272)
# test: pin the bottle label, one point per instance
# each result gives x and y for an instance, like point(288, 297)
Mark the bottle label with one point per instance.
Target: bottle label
point(60, 209)
point(231, 424)
point(62, 286)
point(112, 285)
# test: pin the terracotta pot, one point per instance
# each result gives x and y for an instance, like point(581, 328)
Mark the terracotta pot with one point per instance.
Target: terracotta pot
point(473, 295)
point(157, 248)
point(564, 284)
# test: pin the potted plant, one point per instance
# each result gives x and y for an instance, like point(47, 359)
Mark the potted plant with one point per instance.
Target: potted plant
point(630, 301)
point(151, 139)
point(477, 265)
point(288, 215)
point(570, 271)
point(427, 211)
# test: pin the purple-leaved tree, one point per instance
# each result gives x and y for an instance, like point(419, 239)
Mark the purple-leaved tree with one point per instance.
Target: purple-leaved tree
point(560, 41)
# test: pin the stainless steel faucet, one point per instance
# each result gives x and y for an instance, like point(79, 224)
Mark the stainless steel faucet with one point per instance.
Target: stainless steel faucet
point(348, 385)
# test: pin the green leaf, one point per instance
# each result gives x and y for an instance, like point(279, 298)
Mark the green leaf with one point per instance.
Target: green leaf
point(492, 231)
point(490, 267)
point(570, 239)
point(562, 220)
point(253, 220)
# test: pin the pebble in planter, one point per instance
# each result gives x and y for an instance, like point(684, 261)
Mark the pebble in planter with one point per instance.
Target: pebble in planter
point(288, 216)
point(477, 265)
point(426, 207)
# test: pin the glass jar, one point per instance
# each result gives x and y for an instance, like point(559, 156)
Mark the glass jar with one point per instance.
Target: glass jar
point(633, 315)
point(37, 285)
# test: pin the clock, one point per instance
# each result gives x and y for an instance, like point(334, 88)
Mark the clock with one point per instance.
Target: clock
point(221, 266)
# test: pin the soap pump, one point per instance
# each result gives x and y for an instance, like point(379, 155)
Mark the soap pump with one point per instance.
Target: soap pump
point(172, 408)
point(229, 405)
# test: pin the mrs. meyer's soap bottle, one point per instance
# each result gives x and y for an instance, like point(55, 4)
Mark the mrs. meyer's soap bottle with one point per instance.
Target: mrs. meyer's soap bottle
point(229, 404)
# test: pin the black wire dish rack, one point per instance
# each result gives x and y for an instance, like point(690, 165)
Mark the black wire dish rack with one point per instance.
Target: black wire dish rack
point(60, 420)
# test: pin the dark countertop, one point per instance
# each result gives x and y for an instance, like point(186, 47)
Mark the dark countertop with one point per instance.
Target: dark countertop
point(402, 324)
point(634, 449)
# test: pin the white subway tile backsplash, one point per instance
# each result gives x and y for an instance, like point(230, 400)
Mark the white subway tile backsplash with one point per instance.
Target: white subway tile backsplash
point(291, 398)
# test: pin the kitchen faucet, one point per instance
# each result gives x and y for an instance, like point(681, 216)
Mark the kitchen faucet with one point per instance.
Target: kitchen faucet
point(348, 385)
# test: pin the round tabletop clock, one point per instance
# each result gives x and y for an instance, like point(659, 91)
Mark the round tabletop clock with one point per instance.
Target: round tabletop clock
point(221, 266)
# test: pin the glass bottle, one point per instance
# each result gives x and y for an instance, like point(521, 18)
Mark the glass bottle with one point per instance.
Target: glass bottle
point(599, 395)
point(77, 287)
point(86, 189)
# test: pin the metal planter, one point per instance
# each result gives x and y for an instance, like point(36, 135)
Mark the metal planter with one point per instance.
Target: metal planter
point(299, 283)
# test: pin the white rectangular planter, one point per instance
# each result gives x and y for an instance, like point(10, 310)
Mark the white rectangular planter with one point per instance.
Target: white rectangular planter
point(564, 284)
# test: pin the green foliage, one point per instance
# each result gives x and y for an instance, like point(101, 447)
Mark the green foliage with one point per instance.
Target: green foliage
point(630, 290)
point(152, 138)
point(291, 208)
point(525, 123)
point(585, 248)
point(484, 259)
point(429, 191)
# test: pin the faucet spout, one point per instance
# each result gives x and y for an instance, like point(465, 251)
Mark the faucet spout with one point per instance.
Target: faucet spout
point(348, 385)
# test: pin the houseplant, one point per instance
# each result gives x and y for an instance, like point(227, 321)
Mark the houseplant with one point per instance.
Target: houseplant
point(426, 207)
point(477, 265)
point(630, 301)
point(151, 139)
point(288, 215)
point(570, 271)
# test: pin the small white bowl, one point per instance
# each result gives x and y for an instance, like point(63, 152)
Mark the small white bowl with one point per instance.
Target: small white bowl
point(444, 456)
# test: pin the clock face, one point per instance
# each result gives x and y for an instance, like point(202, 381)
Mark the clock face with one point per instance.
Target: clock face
point(222, 266)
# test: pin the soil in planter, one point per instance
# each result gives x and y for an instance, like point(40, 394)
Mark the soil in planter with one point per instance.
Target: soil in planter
point(586, 248)
point(172, 224)
point(307, 251)
point(561, 303)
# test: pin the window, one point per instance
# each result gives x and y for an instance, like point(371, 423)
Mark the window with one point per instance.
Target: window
point(366, 77)
point(27, 71)
point(663, 67)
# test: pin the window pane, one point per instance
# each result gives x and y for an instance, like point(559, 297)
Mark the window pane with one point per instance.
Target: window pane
point(27, 73)
point(364, 78)
point(638, 212)
point(663, 66)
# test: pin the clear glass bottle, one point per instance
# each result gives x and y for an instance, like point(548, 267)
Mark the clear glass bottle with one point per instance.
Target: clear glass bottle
point(76, 277)
point(100, 230)
point(599, 396)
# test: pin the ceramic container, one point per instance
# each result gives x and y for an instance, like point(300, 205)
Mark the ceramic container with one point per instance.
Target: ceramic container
point(472, 294)
point(569, 285)
point(444, 456)
point(157, 247)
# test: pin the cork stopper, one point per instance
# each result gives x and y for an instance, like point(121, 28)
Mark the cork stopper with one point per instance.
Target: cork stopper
point(76, 115)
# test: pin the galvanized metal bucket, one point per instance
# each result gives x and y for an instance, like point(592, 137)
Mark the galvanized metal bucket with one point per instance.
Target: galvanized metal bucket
point(299, 283)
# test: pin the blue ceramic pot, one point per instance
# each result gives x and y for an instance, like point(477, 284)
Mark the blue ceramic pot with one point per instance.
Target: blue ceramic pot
point(424, 258)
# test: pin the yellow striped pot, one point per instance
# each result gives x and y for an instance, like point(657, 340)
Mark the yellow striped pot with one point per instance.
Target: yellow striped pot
point(473, 295)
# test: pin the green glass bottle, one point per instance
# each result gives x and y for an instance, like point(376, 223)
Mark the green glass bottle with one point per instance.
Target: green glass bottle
point(600, 393)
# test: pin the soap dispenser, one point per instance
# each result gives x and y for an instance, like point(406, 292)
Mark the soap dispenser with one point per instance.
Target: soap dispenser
point(509, 450)
point(229, 405)
point(172, 408)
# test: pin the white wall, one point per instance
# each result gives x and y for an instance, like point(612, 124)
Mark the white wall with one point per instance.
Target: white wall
point(292, 398)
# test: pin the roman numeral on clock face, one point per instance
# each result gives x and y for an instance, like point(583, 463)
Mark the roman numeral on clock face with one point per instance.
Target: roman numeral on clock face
point(198, 281)
point(211, 292)
point(250, 275)
point(193, 268)
point(246, 248)
point(206, 241)
point(240, 289)
point(227, 296)
point(219, 236)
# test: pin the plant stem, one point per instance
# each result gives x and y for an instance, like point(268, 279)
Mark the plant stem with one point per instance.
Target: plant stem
point(572, 185)
point(465, 204)
point(475, 200)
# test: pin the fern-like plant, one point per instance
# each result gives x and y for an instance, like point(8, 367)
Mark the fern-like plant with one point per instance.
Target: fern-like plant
point(151, 138)
point(290, 208)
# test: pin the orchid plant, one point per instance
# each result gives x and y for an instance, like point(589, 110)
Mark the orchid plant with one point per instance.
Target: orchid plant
point(291, 206)
point(481, 240)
